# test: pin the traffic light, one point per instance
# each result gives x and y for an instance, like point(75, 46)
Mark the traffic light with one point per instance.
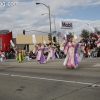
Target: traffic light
point(50, 43)
point(54, 39)
point(23, 32)
point(55, 44)
point(49, 37)
point(68, 37)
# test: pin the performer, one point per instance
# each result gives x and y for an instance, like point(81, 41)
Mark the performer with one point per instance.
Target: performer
point(19, 57)
point(71, 58)
point(40, 56)
point(2, 57)
point(51, 54)
point(97, 42)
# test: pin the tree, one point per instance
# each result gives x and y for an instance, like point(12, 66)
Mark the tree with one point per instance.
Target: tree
point(85, 33)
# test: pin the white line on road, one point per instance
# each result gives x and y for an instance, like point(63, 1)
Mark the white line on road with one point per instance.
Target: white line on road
point(97, 65)
point(56, 80)
point(4, 74)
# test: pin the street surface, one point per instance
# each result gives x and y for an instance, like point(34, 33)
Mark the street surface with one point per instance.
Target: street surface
point(50, 81)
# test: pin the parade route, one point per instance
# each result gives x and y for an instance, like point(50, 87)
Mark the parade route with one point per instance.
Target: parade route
point(47, 79)
point(50, 50)
point(50, 81)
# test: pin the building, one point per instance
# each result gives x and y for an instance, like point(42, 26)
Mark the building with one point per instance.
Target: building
point(5, 37)
point(22, 40)
point(27, 40)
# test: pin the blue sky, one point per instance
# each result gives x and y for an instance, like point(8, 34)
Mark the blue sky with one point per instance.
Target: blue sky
point(27, 15)
point(83, 13)
point(86, 13)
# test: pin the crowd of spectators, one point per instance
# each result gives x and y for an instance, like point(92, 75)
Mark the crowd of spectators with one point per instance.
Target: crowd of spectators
point(91, 48)
point(10, 55)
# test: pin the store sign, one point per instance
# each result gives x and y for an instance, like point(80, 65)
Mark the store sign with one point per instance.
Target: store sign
point(66, 25)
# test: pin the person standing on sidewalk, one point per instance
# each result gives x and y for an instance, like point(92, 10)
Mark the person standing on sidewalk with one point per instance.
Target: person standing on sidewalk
point(27, 55)
point(7, 55)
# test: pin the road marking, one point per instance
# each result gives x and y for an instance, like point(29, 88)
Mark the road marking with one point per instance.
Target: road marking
point(4, 74)
point(56, 80)
point(97, 65)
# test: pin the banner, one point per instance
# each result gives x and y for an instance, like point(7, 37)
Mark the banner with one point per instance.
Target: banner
point(54, 32)
point(34, 39)
point(92, 29)
point(44, 43)
point(13, 45)
point(66, 25)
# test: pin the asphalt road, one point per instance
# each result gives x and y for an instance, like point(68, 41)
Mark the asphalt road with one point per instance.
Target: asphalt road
point(50, 81)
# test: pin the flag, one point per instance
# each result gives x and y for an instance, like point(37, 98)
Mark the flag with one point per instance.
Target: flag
point(13, 45)
point(75, 37)
point(59, 34)
point(54, 32)
point(44, 43)
point(92, 29)
point(34, 39)
point(64, 37)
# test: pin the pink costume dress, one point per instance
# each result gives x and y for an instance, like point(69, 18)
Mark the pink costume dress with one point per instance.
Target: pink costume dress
point(51, 54)
point(40, 56)
point(71, 59)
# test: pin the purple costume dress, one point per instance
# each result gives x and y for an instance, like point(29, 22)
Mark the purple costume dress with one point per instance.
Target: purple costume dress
point(51, 54)
point(71, 58)
point(40, 56)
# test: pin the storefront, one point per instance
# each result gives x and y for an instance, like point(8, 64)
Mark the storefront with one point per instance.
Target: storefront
point(5, 37)
point(27, 40)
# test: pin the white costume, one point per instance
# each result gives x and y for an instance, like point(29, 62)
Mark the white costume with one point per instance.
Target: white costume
point(2, 56)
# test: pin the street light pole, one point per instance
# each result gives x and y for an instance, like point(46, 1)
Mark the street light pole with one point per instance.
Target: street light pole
point(54, 23)
point(50, 23)
point(54, 20)
point(49, 18)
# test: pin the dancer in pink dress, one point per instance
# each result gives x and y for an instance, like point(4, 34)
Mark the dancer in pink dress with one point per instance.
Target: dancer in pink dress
point(40, 56)
point(71, 58)
point(51, 53)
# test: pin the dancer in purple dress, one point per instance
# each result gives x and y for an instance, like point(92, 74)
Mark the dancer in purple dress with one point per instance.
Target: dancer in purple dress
point(40, 56)
point(51, 53)
point(74, 53)
point(70, 60)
